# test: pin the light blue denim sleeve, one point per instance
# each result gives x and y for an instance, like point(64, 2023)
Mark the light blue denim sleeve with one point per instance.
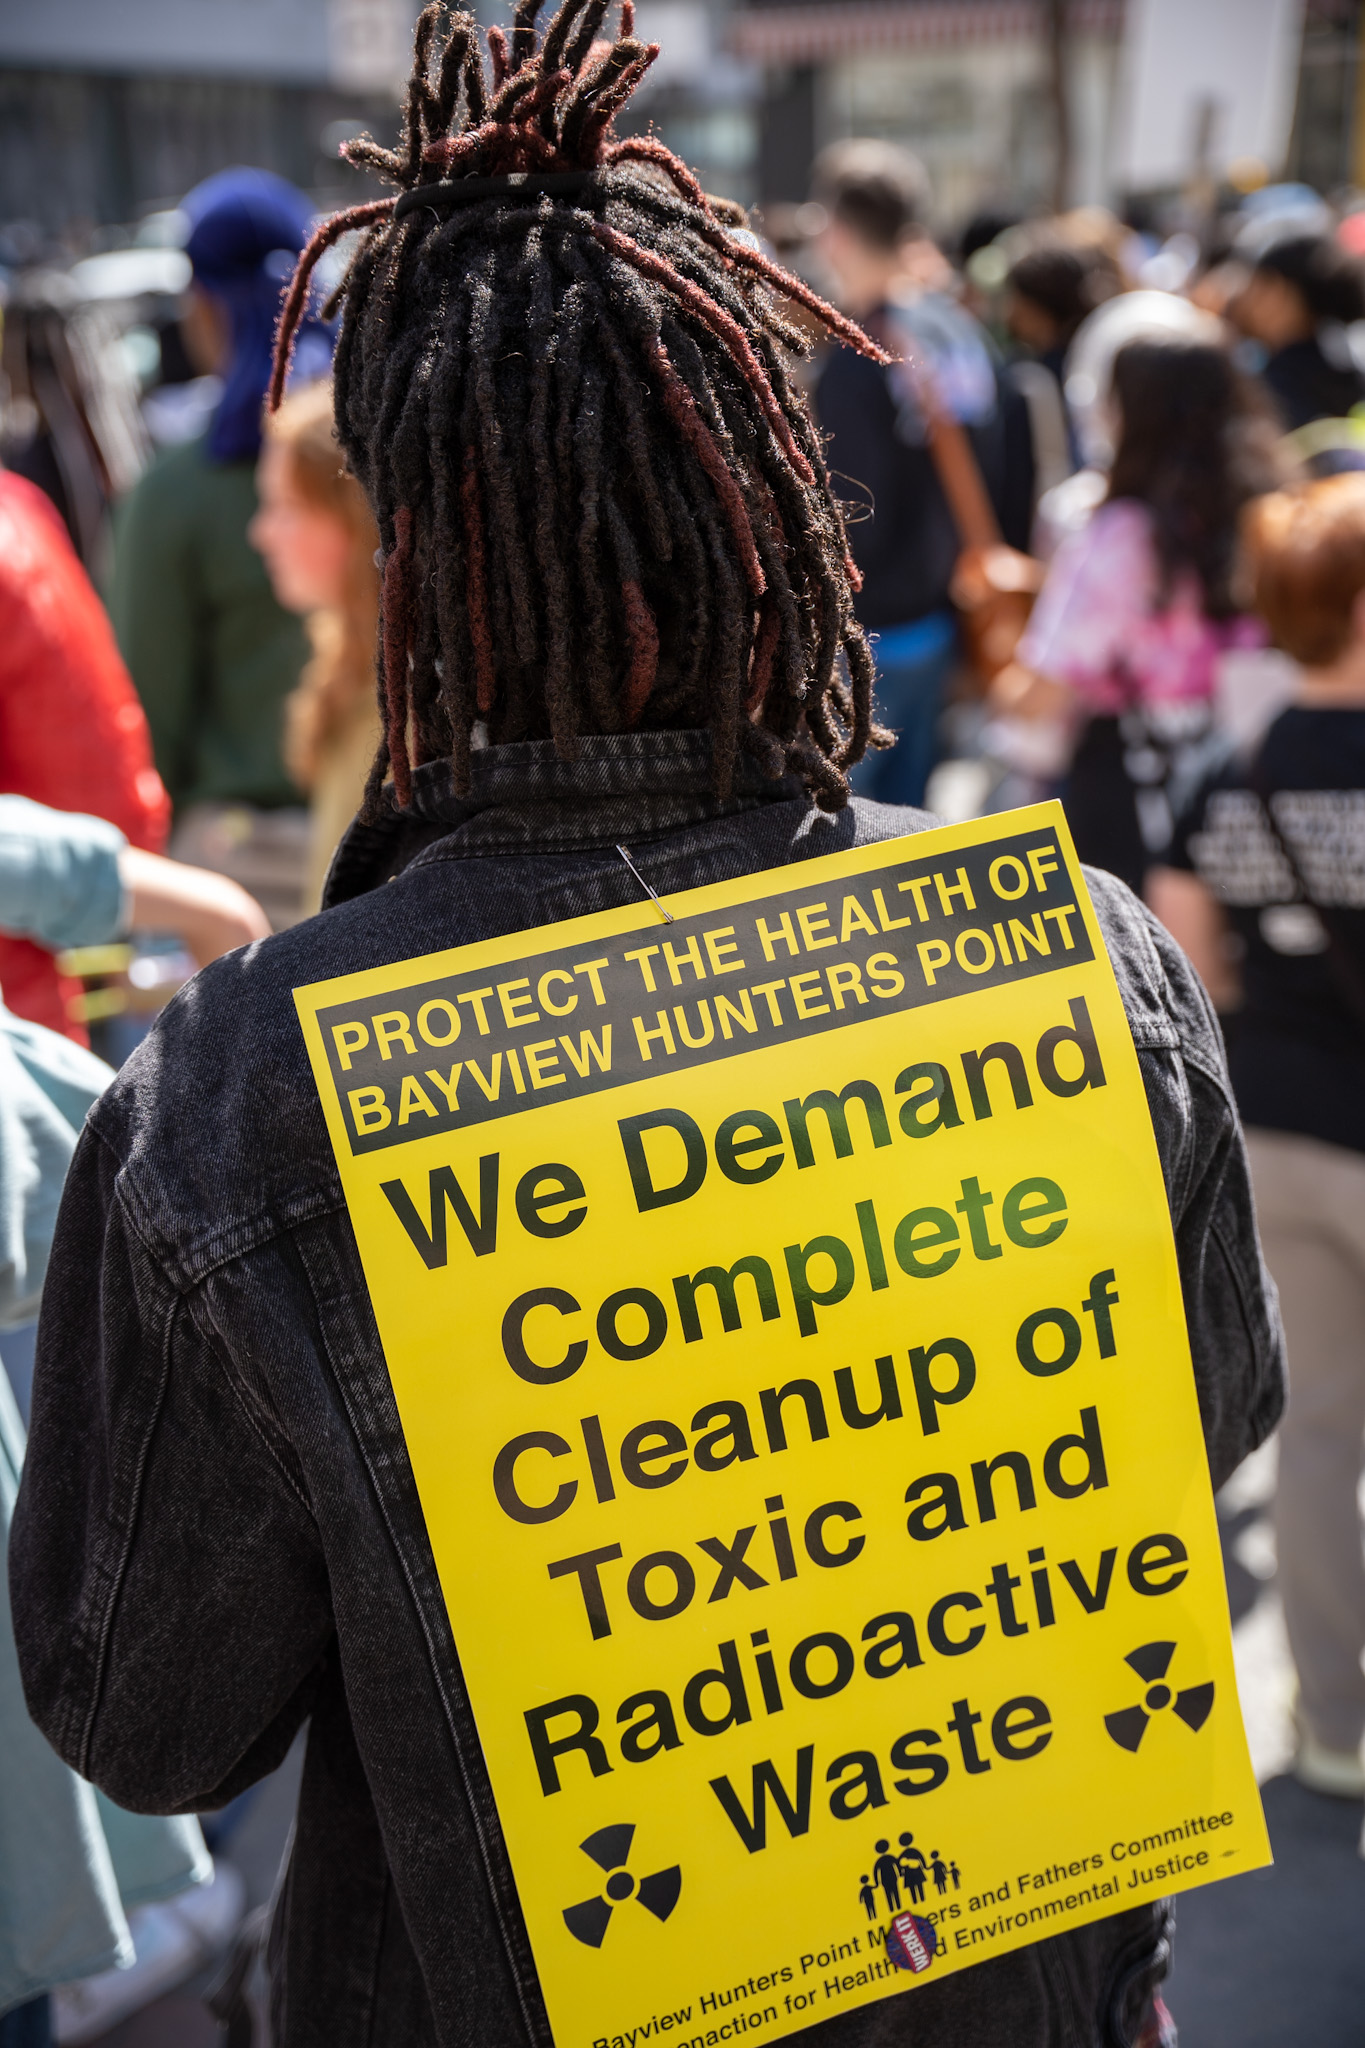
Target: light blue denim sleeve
point(60, 1913)
point(72, 1864)
point(46, 1086)
point(59, 875)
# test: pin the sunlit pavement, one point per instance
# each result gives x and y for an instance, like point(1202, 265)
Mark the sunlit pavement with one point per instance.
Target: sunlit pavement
point(1275, 1959)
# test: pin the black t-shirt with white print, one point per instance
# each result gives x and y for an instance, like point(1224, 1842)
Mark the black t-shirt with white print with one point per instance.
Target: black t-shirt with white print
point(1297, 1051)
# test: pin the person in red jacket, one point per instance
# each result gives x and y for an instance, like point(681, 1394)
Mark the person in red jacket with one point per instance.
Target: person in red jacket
point(72, 732)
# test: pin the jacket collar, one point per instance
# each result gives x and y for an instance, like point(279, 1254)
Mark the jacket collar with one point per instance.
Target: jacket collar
point(525, 799)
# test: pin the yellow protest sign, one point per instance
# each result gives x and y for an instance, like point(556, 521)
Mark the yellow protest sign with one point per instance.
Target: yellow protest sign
point(783, 1314)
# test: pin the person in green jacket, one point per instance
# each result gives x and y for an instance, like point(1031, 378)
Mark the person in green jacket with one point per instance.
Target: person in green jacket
point(211, 652)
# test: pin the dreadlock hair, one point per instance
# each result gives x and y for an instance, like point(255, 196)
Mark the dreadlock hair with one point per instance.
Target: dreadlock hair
point(601, 500)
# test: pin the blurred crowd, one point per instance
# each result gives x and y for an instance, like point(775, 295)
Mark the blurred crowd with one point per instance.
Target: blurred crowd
point(1111, 532)
point(1108, 511)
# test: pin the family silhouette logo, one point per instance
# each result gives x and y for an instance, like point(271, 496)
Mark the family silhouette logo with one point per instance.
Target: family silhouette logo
point(658, 1893)
point(904, 1872)
point(1192, 1705)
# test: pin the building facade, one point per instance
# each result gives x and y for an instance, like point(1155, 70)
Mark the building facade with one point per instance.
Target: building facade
point(111, 112)
point(967, 84)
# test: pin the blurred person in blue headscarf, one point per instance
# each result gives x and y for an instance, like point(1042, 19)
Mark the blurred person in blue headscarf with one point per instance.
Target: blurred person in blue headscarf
point(212, 654)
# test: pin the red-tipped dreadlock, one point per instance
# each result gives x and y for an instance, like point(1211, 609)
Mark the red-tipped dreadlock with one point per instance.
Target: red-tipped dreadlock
point(644, 651)
point(602, 500)
point(396, 623)
point(296, 298)
point(683, 407)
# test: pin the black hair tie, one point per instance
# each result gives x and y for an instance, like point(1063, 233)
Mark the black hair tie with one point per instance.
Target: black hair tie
point(510, 185)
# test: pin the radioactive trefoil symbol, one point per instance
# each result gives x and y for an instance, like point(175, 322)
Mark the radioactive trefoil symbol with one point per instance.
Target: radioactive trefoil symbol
point(1192, 1704)
point(657, 1893)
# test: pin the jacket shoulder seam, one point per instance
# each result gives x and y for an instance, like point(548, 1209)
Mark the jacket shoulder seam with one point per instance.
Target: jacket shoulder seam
point(209, 1339)
point(118, 1571)
point(248, 1236)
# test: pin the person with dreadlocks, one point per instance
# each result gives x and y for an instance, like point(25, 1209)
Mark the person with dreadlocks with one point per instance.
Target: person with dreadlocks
point(617, 606)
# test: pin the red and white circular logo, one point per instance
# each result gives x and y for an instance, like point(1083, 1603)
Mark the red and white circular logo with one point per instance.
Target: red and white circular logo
point(911, 1942)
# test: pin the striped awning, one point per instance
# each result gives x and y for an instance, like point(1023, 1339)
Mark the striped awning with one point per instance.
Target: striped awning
point(815, 33)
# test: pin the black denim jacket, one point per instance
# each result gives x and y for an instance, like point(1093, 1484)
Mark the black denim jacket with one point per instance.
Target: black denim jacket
point(218, 1532)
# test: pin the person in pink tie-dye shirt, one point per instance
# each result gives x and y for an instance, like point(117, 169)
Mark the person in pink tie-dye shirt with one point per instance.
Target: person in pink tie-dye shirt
point(1139, 606)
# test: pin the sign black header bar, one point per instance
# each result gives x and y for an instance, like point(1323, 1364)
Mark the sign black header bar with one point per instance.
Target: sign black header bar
point(796, 961)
